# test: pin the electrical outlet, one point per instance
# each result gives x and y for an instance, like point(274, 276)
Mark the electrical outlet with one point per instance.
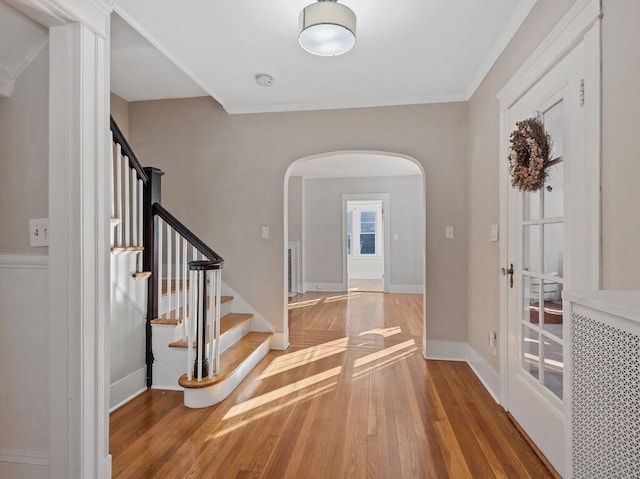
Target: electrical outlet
point(39, 232)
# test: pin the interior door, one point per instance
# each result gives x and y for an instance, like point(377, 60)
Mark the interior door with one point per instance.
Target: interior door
point(541, 255)
point(365, 248)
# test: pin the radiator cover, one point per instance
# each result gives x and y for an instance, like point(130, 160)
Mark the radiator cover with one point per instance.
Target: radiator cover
point(605, 400)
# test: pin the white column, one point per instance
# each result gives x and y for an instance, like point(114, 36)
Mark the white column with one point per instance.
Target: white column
point(79, 211)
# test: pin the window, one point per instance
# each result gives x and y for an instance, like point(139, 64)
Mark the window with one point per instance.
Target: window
point(364, 228)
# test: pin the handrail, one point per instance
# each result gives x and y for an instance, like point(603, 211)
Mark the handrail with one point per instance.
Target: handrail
point(126, 149)
point(200, 245)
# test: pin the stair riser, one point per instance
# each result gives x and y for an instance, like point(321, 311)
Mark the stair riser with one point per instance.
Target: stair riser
point(205, 397)
point(163, 305)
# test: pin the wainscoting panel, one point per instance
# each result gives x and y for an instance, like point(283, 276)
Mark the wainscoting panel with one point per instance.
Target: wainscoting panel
point(24, 375)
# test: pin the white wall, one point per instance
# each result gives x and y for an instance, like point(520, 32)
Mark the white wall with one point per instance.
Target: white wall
point(24, 376)
point(323, 228)
point(225, 178)
point(24, 170)
point(24, 280)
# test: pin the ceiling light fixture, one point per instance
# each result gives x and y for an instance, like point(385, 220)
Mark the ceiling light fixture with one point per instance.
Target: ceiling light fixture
point(327, 28)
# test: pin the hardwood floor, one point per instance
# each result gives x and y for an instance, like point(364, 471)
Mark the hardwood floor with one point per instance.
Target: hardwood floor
point(351, 398)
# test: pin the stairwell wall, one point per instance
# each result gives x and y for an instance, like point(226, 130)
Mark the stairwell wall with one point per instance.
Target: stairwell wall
point(224, 176)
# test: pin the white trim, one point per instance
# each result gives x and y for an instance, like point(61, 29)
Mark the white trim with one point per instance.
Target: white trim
point(406, 288)
point(489, 378)
point(120, 391)
point(31, 458)
point(327, 287)
point(50, 13)
point(566, 35)
point(280, 341)
point(446, 350)
point(457, 351)
point(386, 223)
point(24, 261)
point(79, 251)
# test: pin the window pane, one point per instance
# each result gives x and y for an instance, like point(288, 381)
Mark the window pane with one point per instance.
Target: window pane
point(367, 243)
point(368, 217)
point(531, 300)
point(553, 308)
point(553, 191)
point(553, 366)
point(553, 124)
point(531, 206)
point(367, 227)
point(553, 249)
point(531, 248)
point(531, 352)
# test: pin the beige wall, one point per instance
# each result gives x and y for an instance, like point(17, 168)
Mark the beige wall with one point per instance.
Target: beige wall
point(620, 159)
point(620, 150)
point(323, 228)
point(120, 113)
point(225, 179)
point(484, 171)
point(24, 156)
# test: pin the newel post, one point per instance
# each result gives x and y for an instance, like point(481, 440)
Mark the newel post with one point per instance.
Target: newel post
point(152, 193)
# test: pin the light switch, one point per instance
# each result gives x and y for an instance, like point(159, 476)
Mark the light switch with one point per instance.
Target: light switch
point(448, 232)
point(39, 232)
point(395, 236)
point(493, 235)
point(265, 232)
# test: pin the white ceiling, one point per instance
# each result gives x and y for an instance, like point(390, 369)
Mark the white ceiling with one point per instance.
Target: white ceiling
point(407, 52)
point(355, 165)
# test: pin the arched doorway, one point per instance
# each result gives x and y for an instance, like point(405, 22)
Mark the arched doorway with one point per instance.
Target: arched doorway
point(318, 190)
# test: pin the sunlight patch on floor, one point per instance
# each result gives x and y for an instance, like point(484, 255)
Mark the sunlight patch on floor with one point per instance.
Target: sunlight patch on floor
point(391, 350)
point(282, 392)
point(304, 356)
point(317, 392)
point(304, 304)
point(379, 365)
point(384, 332)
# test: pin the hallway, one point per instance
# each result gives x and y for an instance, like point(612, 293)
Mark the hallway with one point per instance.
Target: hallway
point(351, 397)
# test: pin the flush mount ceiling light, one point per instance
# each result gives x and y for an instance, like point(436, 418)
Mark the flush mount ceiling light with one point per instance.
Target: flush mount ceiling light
point(327, 28)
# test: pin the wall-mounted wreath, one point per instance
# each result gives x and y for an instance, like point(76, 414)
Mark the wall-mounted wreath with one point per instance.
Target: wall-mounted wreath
point(530, 155)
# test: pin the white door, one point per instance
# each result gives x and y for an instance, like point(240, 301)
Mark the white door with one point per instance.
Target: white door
point(542, 258)
point(365, 245)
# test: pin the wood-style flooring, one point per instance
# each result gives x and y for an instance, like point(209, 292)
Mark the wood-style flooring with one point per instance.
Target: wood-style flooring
point(352, 397)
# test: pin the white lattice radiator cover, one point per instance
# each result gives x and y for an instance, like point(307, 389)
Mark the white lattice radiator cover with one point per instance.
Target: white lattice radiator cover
point(605, 400)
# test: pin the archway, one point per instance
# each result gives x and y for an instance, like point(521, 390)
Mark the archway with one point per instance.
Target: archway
point(341, 175)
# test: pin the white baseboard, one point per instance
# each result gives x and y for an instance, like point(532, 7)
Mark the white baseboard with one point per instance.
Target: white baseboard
point(127, 388)
point(279, 342)
point(406, 288)
point(107, 466)
point(447, 350)
point(456, 351)
point(330, 287)
point(487, 376)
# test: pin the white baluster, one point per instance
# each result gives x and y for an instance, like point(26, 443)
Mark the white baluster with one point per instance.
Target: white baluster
point(140, 222)
point(134, 208)
point(119, 194)
point(178, 263)
point(127, 204)
point(160, 255)
point(169, 269)
point(113, 180)
point(184, 275)
point(189, 324)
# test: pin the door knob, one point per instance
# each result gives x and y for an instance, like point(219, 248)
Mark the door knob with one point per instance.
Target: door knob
point(509, 272)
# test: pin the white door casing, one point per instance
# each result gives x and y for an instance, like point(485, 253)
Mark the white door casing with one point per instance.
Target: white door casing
point(564, 68)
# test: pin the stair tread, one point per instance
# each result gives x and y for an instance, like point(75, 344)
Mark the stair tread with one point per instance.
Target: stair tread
point(142, 274)
point(227, 323)
point(230, 360)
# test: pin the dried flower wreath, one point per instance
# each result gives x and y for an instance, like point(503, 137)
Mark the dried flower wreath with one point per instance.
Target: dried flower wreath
point(530, 155)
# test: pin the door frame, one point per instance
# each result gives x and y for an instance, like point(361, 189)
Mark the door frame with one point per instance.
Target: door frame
point(384, 197)
point(581, 24)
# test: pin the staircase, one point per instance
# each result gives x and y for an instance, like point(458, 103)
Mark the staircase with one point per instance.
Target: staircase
point(166, 253)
